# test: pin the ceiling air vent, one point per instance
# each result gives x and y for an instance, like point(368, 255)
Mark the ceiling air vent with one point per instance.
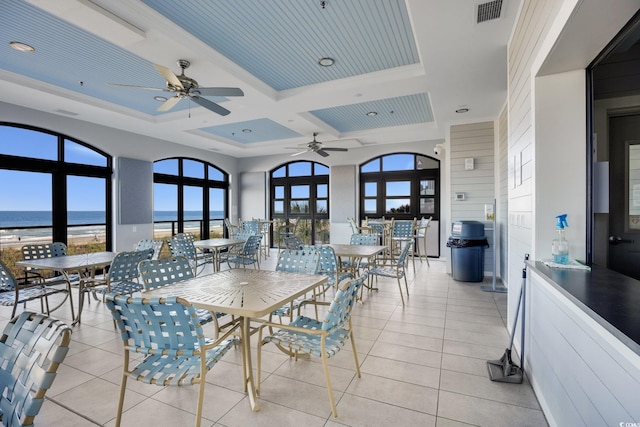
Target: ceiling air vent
point(489, 11)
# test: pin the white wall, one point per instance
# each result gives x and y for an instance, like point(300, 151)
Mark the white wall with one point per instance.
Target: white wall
point(561, 161)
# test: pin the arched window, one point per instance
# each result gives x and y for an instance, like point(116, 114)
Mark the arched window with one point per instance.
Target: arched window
point(54, 188)
point(300, 194)
point(400, 186)
point(189, 196)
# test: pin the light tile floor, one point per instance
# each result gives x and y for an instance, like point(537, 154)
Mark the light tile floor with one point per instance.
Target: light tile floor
point(422, 365)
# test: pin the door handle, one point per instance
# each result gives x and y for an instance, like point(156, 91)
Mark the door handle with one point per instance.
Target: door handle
point(616, 240)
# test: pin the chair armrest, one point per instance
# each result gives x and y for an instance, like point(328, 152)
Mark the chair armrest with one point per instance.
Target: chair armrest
point(290, 328)
point(222, 338)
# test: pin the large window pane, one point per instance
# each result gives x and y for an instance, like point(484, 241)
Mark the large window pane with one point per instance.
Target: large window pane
point(192, 210)
point(165, 210)
point(78, 153)
point(370, 189)
point(299, 206)
point(279, 173)
point(398, 162)
point(215, 174)
point(372, 166)
point(299, 191)
point(86, 205)
point(322, 190)
point(279, 192)
point(18, 211)
point(397, 206)
point(168, 167)
point(321, 169)
point(398, 188)
point(300, 169)
point(192, 168)
point(216, 212)
point(16, 141)
point(370, 207)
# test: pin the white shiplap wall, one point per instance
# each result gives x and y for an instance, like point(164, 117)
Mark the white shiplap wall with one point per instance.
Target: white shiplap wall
point(532, 25)
point(476, 141)
point(502, 207)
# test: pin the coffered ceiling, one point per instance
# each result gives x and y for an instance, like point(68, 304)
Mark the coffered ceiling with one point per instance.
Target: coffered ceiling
point(401, 68)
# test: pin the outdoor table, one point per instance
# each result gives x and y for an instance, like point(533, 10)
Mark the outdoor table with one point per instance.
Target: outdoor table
point(246, 294)
point(83, 264)
point(216, 245)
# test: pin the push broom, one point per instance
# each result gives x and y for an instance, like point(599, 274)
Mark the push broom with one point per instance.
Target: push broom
point(504, 369)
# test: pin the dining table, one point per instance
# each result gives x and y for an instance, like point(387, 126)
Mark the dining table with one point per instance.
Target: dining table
point(246, 294)
point(355, 253)
point(216, 245)
point(85, 265)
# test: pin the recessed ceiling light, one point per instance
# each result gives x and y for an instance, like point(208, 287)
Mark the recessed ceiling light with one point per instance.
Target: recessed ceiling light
point(372, 113)
point(22, 47)
point(326, 62)
point(246, 130)
point(160, 98)
point(462, 110)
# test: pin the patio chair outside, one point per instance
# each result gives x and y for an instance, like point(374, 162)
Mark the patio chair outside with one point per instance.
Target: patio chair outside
point(397, 271)
point(167, 332)
point(13, 293)
point(323, 339)
point(32, 347)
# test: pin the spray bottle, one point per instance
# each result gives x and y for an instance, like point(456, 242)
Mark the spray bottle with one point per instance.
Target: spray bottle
point(560, 246)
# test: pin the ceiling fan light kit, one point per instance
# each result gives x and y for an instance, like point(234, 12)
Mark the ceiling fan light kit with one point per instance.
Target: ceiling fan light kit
point(186, 87)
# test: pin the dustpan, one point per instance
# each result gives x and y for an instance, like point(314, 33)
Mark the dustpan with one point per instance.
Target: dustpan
point(504, 369)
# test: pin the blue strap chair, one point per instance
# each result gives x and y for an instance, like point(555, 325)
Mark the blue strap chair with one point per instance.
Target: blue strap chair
point(122, 277)
point(32, 347)
point(323, 339)
point(328, 265)
point(13, 293)
point(48, 250)
point(360, 239)
point(296, 261)
point(293, 242)
point(169, 336)
point(249, 254)
point(396, 271)
point(156, 273)
point(252, 226)
point(182, 245)
point(421, 233)
point(403, 232)
point(156, 245)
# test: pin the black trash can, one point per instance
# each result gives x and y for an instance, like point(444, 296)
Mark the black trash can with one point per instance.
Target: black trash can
point(467, 243)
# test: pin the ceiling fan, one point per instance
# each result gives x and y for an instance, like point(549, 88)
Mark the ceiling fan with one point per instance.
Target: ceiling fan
point(316, 147)
point(186, 87)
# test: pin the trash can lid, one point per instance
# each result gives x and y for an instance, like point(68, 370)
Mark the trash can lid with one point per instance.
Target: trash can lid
point(468, 229)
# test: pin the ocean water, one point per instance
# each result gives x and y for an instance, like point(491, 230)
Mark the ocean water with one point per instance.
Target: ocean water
point(13, 223)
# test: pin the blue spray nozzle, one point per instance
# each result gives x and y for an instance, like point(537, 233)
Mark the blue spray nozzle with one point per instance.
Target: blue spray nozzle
point(562, 221)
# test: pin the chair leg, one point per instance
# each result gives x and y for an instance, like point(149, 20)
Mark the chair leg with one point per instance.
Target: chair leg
point(123, 388)
point(353, 346)
point(259, 361)
point(326, 375)
point(400, 289)
point(200, 394)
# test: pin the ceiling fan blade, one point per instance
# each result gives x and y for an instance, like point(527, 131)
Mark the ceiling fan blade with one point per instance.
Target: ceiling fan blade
point(137, 87)
point(210, 105)
point(335, 149)
point(220, 91)
point(322, 153)
point(168, 75)
point(168, 104)
point(298, 153)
